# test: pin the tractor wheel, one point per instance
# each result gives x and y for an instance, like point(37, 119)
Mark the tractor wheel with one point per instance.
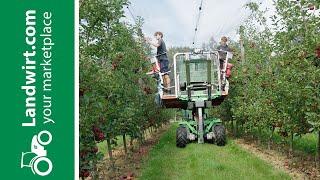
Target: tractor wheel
point(181, 136)
point(220, 135)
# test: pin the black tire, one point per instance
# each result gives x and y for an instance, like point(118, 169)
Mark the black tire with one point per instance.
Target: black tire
point(220, 135)
point(181, 137)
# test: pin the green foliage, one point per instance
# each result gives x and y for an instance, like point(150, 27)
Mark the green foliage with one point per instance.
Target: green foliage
point(278, 85)
point(116, 96)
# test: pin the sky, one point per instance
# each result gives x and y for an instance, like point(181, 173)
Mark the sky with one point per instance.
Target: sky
point(177, 19)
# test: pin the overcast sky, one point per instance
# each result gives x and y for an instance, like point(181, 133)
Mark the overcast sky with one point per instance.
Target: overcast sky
point(177, 18)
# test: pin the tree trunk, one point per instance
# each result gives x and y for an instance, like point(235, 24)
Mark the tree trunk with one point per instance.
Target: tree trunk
point(259, 135)
point(131, 141)
point(175, 116)
point(231, 127)
point(124, 143)
point(270, 138)
point(144, 136)
point(95, 174)
point(252, 133)
point(318, 151)
point(140, 138)
point(236, 128)
point(291, 145)
point(109, 149)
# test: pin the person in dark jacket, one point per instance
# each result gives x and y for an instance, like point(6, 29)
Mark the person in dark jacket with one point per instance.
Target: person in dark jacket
point(222, 48)
point(162, 57)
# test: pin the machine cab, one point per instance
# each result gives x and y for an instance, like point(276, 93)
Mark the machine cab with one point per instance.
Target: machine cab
point(199, 80)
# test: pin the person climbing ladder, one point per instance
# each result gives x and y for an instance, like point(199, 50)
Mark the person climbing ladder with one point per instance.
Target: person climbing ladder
point(162, 58)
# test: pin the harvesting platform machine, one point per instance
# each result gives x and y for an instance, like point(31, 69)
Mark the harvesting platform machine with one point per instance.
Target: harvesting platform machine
point(200, 82)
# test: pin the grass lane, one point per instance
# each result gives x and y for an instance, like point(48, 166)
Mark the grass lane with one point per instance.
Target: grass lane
point(204, 161)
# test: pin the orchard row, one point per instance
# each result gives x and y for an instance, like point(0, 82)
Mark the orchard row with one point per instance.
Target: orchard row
point(116, 95)
point(276, 88)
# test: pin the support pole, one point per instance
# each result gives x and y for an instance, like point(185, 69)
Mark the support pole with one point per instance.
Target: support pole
point(200, 126)
point(188, 78)
point(241, 45)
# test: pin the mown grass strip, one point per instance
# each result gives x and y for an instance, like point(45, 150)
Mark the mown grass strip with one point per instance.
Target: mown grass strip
point(204, 161)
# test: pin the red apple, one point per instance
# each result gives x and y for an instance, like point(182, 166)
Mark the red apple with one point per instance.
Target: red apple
point(84, 173)
point(94, 149)
point(96, 129)
point(83, 154)
point(318, 52)
point(99, 136)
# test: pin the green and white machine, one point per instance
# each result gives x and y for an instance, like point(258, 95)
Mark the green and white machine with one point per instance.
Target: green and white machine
point(199, 83)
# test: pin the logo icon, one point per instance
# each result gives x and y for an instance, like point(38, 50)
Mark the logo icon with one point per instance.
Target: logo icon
point(36, 159)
